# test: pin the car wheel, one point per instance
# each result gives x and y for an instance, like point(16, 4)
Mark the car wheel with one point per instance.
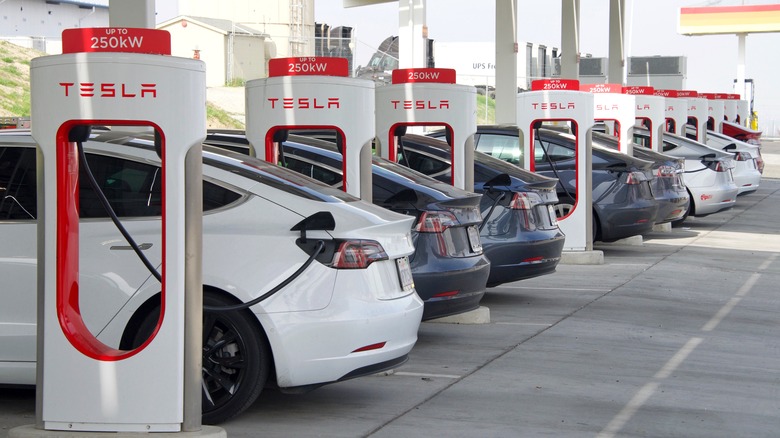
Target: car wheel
point(690, 211)
point(563, 207)
point(236, 361)
point(236, 358)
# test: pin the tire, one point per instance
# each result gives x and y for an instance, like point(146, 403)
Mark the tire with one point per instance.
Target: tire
point(689, 212)
point(236, 359)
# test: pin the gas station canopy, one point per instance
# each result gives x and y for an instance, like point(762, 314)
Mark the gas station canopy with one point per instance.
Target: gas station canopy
point(729, 19)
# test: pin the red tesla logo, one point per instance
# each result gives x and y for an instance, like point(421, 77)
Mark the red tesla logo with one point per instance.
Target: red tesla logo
point(553, 105)
point(420, 104)
point(706, 197)
point(305, 103)
point(109, 89)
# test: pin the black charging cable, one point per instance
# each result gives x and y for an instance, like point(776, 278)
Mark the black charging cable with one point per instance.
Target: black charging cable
point(110, 210)
point(498, 199)
point(153, 270)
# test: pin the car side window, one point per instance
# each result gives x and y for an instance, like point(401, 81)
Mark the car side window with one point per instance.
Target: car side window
point(544, 150)
point(311, 170)
point(423, 163)
point(503, 147)
point(18, 192)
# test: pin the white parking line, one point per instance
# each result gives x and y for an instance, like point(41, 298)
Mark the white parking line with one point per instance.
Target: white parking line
point(441, 376)
point(556, 288)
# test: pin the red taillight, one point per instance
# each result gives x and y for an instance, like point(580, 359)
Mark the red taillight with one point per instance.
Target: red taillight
point(520, 201)
point(358, 254)
point(635, 178)
point(449, 293)
point(435, 221)
point(742, 156)
point(666, 172)
point(720, 167)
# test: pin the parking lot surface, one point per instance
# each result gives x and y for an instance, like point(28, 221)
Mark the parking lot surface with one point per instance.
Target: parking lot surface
point(676, 337)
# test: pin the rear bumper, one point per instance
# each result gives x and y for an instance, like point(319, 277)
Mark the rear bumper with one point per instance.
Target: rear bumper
point(713, 201)
point(672, 208)
point(619, 221)
point(451, 285)
point(526, 257)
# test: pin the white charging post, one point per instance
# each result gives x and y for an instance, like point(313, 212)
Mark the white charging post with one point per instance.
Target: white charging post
point(560, 100)
point(118, 76)
point(743, 111)
point(430, 97)
point(675, 110)
point(314, 93)
point(716, 110)
point(649, 113)
point(612, 106)
point(698, 110)
point(731, 107)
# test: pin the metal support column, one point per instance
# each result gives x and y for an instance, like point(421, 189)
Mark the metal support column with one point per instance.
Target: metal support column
point(570, 39)
point(506, 61)
point(617, 54)
point(131, 13)
point(412, 33)
point(740, 85)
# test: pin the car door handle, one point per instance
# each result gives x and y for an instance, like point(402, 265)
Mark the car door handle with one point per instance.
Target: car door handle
point(142, 246)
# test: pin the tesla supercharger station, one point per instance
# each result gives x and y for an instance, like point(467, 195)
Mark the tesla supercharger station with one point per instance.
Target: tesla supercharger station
point(430, 97)
point(698, 110)
point(650, 113)
point(83, 384)
point(612, 106)
point(675, 110)
point(314, 93)
point(716, 110)
point(730, 107)
point(560, 100)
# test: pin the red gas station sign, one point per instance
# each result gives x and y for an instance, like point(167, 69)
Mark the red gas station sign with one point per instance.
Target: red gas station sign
point(117, 40)
point(434, 75)
point(555, 84)
point(308, 66)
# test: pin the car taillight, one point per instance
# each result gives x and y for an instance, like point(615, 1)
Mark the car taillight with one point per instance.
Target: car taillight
point(520, 201)
point(666, 172)
point(742, 156)
point(719, 166)
point(435, 221)
point(358, 254)
point(635, 178)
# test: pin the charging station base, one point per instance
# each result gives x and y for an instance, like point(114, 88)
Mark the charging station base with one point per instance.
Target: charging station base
point(30, 431)
point(480, 315)
point(594, 257)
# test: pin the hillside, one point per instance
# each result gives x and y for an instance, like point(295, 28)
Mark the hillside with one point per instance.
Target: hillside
point(15, 87)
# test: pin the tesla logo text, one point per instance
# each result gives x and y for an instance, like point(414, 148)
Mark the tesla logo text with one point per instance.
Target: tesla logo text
point(693, 108)
point(607, 107)
point(109, 89)
point(553, 105)
point(642, 107)
point(670, 108)
point(305, 103)
point(420, 104)
point(706, 197)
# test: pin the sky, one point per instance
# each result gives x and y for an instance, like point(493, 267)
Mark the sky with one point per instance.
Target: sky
point(651, 29)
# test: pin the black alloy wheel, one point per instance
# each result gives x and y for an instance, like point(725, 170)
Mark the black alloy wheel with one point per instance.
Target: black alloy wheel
point(236, 361)
point(236, 358)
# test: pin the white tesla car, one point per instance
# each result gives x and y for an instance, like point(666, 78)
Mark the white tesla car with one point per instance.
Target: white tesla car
point(748, 163)
point(354, 311)
point(708, 172)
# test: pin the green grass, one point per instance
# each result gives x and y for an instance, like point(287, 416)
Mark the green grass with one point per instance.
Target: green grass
point(486, 110)
point(237, 82)
point(8, 59)
point(223, 117)
point(17, 103)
